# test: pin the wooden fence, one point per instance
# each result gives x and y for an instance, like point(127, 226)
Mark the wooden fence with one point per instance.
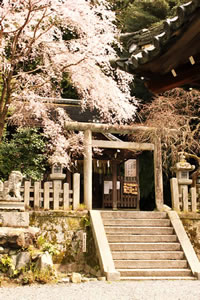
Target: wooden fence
point(184, 198)
point(51, 195)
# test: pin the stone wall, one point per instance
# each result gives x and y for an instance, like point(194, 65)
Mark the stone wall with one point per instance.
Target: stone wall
point(66, 231)
point(191, 223)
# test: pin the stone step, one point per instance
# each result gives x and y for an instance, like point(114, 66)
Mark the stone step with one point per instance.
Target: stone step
point(158, 278)
point(168, 255)
point(141, 238)
point(133, 215)
point(145, 246)
point(137, 222)
point(154, 272)
point(148, 264)
point(139, 230)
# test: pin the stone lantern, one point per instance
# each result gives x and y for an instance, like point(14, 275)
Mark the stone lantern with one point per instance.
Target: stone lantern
point(182, 169)
point(57, 175)
point(57, 172)
point(179, 185)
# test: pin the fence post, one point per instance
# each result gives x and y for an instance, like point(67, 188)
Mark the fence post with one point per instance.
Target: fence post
point(56, 194)
point(76, 190)
point(36, 195)
point(66, 196)
point(185, 198)
point(46, 195)
point(27, 186)
point(193, 192)
point(175, 194)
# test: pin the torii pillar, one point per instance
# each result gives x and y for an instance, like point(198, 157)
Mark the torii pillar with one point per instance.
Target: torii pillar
point(88, 169)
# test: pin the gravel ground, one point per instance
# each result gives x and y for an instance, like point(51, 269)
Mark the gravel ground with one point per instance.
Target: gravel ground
point(133, 290)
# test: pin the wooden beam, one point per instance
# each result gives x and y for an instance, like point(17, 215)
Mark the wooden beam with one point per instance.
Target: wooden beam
point(185, 75)
point(107, 128)
point(123, 129)
point(178, 51)
point(88, 169)
point(123, 145)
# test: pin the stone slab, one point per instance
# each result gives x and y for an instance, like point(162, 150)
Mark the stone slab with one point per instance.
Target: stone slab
point(14, 219)
point(14, 205)
point(103, 250)
point(185, 243)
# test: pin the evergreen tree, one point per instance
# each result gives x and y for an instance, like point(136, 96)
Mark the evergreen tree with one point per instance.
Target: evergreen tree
point(136, 14)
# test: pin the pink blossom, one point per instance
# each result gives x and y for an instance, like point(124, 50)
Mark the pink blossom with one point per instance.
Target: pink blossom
point(31, 30)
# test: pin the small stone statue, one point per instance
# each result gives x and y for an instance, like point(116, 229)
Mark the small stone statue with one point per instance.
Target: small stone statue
point(10, 190)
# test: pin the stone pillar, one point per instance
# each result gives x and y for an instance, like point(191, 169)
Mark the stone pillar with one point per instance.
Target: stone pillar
point(175, 194)
point(158, 173)
point(76, 190)
point(88, 169)
point(114, 185)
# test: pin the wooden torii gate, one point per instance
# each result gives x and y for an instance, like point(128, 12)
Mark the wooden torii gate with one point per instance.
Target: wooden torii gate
point(89, 143)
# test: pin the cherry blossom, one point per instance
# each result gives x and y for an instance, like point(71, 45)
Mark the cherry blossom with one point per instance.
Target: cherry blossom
point(34, 55)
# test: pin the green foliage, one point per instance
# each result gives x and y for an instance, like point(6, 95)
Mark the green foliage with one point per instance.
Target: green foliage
point(40, 276)
point(25, 152)
point(68, 90)
point(134, 15)
point(139, 90)
point(142, 14)
point(46, 246)
point(5, 263)
point(81, 207)
point(85, 221)
point(7, 266)
point(29, 66)
point(119, 5)
point(44, 276)
point(68, 34)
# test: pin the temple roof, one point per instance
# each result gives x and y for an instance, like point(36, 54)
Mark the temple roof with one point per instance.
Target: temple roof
point(168, 55)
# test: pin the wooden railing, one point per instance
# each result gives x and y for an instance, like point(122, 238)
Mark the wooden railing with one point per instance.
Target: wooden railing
point(184, 198)
point(51, 195)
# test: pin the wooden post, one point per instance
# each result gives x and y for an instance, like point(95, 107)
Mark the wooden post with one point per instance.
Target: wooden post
point(88, 169)
point(76, 190)
point(56, 194)
point(158, 173)
point(175, 194)
point(66, 196)
point(184, 191)
point(36, 195)
point(69, 180)
point(46, 195)
point(114, 185)
point(193, 193)
point(27, 186)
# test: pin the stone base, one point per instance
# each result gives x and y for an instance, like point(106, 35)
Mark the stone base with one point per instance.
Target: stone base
point(112, 276)
point(14, 219)
point(12, 205)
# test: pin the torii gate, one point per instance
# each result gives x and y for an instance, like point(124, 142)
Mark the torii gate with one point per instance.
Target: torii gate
point(89, 143)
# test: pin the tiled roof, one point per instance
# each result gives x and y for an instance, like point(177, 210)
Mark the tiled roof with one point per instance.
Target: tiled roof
point(145, 45)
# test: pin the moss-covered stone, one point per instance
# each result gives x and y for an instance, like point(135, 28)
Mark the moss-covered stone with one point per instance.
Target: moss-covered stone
point(191, 223)
point(65, 230)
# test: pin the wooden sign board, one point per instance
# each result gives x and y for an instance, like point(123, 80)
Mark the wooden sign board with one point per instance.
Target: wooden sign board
point(130, 168)
point(130, 188)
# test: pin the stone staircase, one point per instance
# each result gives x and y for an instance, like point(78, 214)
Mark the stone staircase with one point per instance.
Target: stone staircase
point(145, 246)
